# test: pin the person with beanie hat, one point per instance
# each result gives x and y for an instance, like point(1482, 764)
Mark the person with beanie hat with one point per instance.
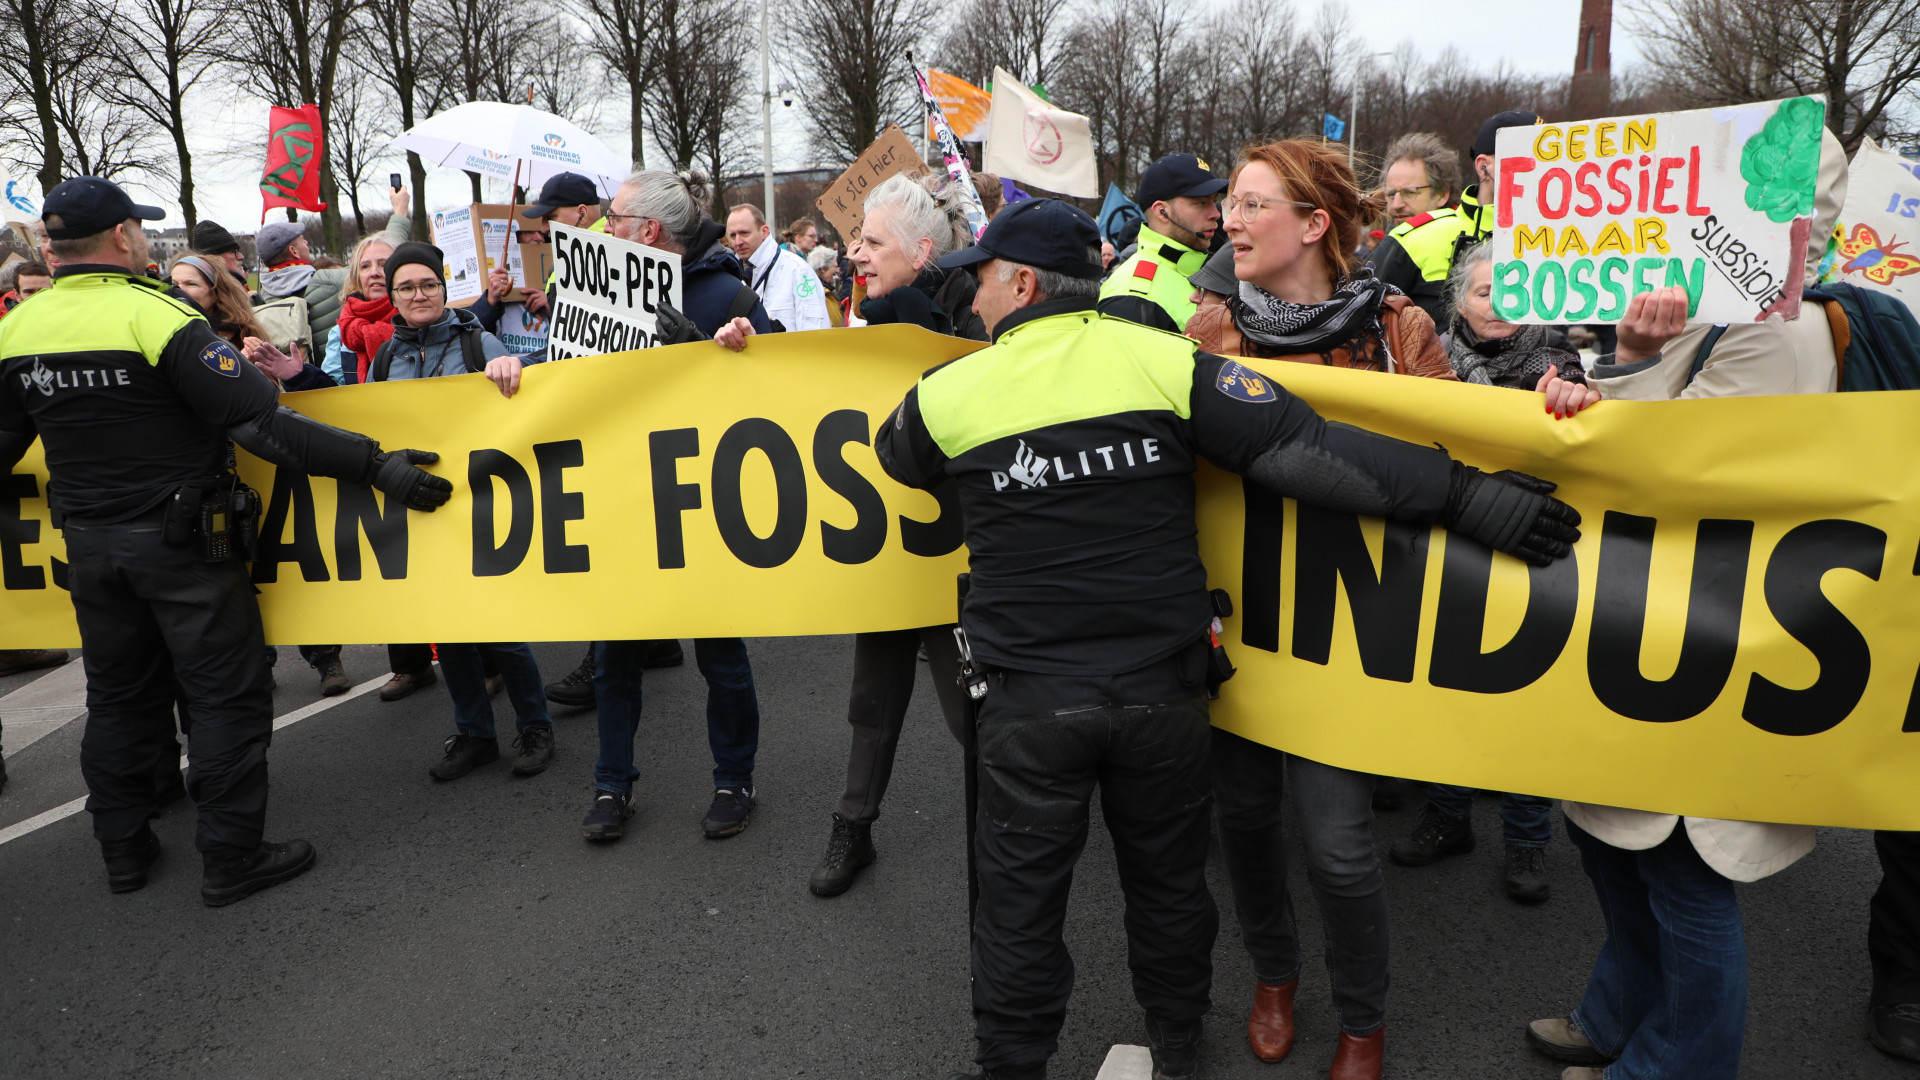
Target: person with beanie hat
point(211, 240)
point(289, 270)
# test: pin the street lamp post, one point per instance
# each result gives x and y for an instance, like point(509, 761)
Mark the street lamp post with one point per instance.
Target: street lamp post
point(766, 111)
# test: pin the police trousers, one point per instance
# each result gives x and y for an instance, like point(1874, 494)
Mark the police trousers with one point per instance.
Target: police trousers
point(155, 621)
point(1893, 921)
point(1045, 742)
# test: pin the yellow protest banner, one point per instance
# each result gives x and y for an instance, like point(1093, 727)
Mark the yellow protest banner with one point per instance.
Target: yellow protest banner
point(1731, 639)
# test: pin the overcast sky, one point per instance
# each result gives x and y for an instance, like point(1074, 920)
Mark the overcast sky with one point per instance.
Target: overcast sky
point(1531, 35)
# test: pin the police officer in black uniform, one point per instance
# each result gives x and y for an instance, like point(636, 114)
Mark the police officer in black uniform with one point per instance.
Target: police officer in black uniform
point(1073, 440)
point(135, 399)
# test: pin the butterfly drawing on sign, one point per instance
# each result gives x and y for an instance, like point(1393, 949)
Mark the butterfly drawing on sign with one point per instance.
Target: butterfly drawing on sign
point(1879, 262)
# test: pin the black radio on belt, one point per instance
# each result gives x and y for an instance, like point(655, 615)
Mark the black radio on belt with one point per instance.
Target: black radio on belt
point(222, 518)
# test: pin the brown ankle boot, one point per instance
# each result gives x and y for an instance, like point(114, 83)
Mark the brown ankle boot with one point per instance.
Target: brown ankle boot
point(1359, 1059)
point(1270, 1024)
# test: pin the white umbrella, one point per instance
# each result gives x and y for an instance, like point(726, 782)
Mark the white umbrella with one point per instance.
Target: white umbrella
point(492, 137)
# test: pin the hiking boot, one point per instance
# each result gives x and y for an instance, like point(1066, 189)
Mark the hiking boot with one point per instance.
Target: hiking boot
point(536, 751)
point(663, 654)
point(128, 860)
point(1527, 875)
point(404, 683)
point(1434, 835)
point(1557, 1038)
point(1175, 1045)
point(607, 816)
point(229, 878)
point(333, 677)
point(729, 813)
point(848, 849)
point(576, 690)
point(15, 661)
point(465, 753)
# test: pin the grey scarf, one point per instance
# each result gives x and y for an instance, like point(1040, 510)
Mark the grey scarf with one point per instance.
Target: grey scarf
point(1516, 361)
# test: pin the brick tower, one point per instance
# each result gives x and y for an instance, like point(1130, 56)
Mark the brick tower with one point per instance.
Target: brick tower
point(1591, 94)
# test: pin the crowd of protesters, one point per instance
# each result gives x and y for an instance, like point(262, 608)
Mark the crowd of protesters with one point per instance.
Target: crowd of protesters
point(1286, 257)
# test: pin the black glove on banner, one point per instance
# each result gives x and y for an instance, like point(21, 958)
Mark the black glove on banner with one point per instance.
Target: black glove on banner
point(1511, 512)
point(905, 304)
point(398, 474)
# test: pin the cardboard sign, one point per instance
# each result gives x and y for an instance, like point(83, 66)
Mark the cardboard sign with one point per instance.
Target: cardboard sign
point(521, 332)
point(1720, 201)
point(1873, 245)
point(845, 201)
point(607, 293)
point(471, 237)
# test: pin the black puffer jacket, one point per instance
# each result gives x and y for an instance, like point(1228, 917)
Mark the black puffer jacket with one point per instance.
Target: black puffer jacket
point(940, 300)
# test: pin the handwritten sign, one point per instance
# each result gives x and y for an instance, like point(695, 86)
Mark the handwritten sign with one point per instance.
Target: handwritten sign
point(607, 293)
point(845, 201)
point(1719, 201)
point(1879, 226)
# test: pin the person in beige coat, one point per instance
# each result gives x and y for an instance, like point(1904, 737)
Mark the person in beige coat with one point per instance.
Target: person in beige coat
point(1668, 993)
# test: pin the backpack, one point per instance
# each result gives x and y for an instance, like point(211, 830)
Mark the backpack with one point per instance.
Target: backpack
point(673, 328)
point(471, 353)
point(285, 321)
point(1876, 341)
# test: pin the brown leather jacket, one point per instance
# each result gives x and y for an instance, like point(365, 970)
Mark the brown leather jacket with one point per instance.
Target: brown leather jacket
point(1411, 341)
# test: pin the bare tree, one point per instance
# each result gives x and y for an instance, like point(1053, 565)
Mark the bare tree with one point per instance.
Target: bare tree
point(858, 52)
point(38, 63)
point(618, 32)
point(1022, 36)
point(358, 133)
point(402, 54)
point(699, 90)
point(289, 52)
point(156, 52)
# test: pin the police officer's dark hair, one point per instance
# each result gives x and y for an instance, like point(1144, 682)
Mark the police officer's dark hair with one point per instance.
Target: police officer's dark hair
point(1315, 171)
point(1440, 161)
point(1053, 284)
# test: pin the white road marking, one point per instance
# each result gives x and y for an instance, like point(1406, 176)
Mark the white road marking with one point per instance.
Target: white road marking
point(1126, 1062)
point(43, 706)
point(67, 810)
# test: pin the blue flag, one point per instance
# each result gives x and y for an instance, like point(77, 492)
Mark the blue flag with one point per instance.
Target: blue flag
point(1333, 127)
point(1116, 213)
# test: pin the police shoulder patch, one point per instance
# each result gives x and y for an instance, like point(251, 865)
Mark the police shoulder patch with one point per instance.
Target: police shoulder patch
point(1243, 384)
point(222, 358)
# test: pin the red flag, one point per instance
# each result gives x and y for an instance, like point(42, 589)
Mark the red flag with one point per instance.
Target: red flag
point(294, 145)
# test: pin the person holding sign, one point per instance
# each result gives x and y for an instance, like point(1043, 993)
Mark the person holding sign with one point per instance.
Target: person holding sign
point(1088, 615)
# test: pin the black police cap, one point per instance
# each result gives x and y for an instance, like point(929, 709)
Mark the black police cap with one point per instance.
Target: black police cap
point(87, 205)
point(1174, 176)
point(1046, 234)
point(564, 189)
point(1483, 142)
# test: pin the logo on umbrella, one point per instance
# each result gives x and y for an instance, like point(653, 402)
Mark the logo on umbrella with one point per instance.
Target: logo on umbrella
point(555, 141)
point(17, 201)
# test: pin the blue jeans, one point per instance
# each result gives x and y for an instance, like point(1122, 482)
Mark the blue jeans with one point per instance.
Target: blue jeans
point(1668, 994)
point(464, 666)
point(733, 710)
point(1527, 820)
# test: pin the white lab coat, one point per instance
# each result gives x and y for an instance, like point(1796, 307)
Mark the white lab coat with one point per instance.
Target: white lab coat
point(788, 287)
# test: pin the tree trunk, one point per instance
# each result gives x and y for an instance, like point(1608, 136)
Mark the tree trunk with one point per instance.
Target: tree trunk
point(418, 170)
point(330, 217)
point(634, 126)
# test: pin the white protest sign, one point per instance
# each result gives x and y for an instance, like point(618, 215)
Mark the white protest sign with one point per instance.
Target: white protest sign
point(520, 332)
point(453, 235)
point(1720, 201)
point(1879, 226)
point(607, 293)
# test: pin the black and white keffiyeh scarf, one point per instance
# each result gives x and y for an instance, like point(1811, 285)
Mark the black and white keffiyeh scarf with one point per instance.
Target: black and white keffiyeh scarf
point(1343, 320)
point(1516, 361)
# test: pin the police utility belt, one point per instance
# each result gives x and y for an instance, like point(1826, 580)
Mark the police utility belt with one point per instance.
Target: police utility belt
point(220, 516)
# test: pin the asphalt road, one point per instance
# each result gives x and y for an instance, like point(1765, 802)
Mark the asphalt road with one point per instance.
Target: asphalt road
point(465, 929)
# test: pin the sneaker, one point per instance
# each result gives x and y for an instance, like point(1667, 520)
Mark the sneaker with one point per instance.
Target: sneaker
point(1434, 835)
point(536, 751)
point(229, 879)
point(576, 690)
point(1557, 1038)
point(1527, 875)
point(729, 813)
point(663, 654)
point(465, 753)
point(848, 849)
point(128, 860)
point(608, 814)
point(14, 661)
point(333, 678)
point(403, 684)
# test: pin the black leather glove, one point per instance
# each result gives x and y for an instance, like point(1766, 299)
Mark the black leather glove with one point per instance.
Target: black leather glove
point(398, 473)
point(1511, 512)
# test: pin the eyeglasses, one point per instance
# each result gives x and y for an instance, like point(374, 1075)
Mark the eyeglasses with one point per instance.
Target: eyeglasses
point(626, 217)
point(1249, 206)
point(429, 288)
point(1407, 194)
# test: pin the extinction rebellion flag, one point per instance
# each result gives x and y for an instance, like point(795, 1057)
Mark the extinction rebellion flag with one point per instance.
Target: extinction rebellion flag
point(294, 146)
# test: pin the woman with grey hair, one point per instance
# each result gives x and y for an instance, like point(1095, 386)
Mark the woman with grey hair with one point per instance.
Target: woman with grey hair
point(1486, 349)
point(910, 223)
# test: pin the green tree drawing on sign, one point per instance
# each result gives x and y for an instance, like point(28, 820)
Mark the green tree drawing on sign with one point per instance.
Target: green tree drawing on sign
point(1781, 163)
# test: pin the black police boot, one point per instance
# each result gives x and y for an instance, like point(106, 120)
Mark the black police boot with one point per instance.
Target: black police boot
point(1895, 1030)
point(465, 753)
point(1175, 1045)
point(663, 654)
point(1025, 1072)
point(228, 878)
point(1527, 875)
point(1434, 835)
point(128, 860)
point(848, 849)
point(576, 690)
